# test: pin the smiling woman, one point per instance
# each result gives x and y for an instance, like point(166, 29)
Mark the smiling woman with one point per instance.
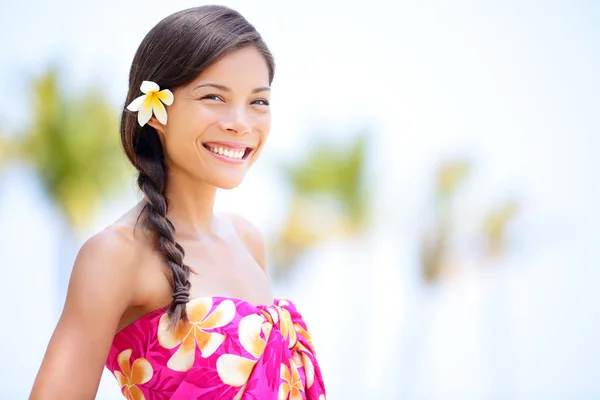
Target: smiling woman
point(173, 298)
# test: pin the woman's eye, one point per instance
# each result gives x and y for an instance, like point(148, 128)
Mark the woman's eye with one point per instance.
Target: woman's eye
point(212, 97)
point(261, 102)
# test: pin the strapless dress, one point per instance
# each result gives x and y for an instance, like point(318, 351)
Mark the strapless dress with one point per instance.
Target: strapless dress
point(229, 349)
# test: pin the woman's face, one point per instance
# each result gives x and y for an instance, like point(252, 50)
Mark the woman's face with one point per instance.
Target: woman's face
point(219, 123)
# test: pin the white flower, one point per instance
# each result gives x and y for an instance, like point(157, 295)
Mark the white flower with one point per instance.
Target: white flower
point(151, 102)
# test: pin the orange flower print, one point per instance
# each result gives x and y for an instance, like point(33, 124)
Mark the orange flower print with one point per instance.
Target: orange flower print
point(131, 375)
point(301, 355)
point(302, 359)
point(234, 370)
point(305, 333)
point(286, 325)
point(195, 332)
point(292, 384)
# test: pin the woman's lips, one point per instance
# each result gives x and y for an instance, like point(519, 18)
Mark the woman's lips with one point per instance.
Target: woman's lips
point(227, 151)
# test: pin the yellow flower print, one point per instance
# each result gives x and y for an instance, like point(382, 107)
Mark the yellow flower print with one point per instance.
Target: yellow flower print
point(305, 333)
point(292, 384)
point(195, 332)
point(302, 359)
point(234, 370)
point(131, 375)
point(286, 326)
point(271, 315)
point(301, 354)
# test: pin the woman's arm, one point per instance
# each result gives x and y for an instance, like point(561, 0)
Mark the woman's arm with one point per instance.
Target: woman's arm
point(100, 290)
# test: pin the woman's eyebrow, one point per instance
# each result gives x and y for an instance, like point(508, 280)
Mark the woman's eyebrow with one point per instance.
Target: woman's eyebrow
point(226, 89)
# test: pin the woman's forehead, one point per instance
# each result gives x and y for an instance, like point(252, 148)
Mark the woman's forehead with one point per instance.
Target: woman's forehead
point(243, 69)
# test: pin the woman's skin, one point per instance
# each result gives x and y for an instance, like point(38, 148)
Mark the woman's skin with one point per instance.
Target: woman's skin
point(118, 277)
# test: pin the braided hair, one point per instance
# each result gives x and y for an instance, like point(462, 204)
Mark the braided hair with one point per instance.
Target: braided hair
point(173, 54)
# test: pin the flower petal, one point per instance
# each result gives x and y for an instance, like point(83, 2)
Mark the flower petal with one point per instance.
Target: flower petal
point(283, 326)
point(284, 389)
point(166, 96)
point(159, 110)
point(183, 359)
point(136, 394)
point(234, 370)
point(268, 316)
point(137, 103)
point(123, 360)
point(284, 373)
point(121, 379)
point(249, 333)
point(267, 328)
point(208, 342)
point(295, 375)
point(221, 316)
point(321, 397)
point(297, 357)
point(149, 86)
point(141, 371)
point(197, 309)
point(145, 111)
point(169, 338)
point(305, 333)
point(309, 370)
point(295, 394)
point(287, 327)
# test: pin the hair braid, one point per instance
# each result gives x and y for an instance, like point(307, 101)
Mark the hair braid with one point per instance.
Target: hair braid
point(152, 181)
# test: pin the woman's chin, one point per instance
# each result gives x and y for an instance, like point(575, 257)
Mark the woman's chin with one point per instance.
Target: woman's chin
point(229, 182)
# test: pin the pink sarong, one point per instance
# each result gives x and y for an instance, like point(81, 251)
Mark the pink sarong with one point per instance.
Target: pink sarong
point(230, 349)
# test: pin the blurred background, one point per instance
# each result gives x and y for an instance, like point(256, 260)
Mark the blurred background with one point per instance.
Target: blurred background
point(429, 193)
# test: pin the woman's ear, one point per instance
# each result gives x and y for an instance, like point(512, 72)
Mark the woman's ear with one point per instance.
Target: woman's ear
point(160, 128)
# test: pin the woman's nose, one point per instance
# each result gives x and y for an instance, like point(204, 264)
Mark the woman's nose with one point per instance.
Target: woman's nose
point(236, 121)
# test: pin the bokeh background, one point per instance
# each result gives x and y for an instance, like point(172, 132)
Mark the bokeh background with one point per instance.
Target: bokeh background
point(429, 193)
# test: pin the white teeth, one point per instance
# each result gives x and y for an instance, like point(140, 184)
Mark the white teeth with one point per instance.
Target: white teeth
point(228, 153)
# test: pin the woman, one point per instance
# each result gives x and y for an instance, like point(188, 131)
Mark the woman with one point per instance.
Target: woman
point(173, 298)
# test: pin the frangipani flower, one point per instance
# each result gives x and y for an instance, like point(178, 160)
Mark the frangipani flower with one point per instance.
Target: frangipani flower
point(197, 332)
point(234, 370)
point(286, 326)
point(292, 384)
point(131, 375)
point(151, 102)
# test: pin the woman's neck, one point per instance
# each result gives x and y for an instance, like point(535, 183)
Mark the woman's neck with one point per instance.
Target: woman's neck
point(190, 206)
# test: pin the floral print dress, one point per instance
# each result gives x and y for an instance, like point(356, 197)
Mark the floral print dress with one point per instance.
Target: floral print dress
point(229, 349)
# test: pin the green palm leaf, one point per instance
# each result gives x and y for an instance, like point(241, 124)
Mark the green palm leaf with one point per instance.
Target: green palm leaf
point(73, 145)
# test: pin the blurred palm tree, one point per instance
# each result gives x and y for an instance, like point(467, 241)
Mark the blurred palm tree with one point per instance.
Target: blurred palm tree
point(435, 241)
point(73, 147)
point(495, 225)
point(451, 175)
point(329, 199)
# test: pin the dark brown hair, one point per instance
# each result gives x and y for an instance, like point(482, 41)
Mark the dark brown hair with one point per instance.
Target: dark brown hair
point(172, 54)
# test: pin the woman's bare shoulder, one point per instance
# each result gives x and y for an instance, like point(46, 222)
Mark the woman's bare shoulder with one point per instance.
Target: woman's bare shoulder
point(118, 248)
point(123, 238)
